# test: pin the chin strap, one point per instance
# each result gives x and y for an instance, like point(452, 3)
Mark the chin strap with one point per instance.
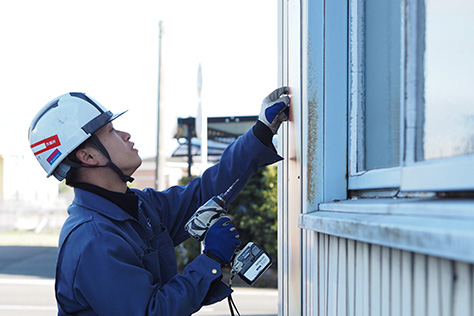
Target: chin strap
point(109, 164)
point(119, 172)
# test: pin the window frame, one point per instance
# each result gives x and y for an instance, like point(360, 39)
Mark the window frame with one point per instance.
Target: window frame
point(446, 174)
point(369, 206)
point(376, 178)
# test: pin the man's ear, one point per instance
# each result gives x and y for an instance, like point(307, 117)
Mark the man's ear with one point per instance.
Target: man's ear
point(88, 156)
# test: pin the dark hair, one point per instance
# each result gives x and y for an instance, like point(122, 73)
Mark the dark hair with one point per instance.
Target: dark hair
point(72, 175)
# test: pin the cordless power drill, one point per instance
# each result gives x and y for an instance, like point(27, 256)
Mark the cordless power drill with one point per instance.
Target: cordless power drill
point(250, 262)
point(206, 215)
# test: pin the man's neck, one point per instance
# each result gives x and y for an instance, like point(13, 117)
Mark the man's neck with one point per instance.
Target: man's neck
point(127, 202)
point(104, 178)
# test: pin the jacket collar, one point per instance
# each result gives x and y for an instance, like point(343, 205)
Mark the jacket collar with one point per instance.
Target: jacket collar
point(126, 201)
point(100, 205)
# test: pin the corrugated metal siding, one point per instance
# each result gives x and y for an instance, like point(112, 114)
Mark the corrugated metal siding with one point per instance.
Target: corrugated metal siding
point(356, 278)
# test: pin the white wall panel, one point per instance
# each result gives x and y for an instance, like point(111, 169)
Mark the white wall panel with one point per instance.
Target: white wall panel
point(385, 285)
point(357, 278)
point(462, 287)
point(433, 287)
point(445, 276)
point(395, 273)
point(419, 285)
point(351, 271)
point(332, 275)
point(375, 279)
point(342, 278)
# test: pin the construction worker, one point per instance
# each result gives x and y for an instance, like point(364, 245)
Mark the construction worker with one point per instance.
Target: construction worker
point(116, 249)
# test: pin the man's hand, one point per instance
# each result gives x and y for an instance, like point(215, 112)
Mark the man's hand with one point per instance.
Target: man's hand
point(221, 240)
point(275, 108)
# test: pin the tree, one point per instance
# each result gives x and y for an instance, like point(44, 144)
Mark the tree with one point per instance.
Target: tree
point(190, 248)
point(255, 210)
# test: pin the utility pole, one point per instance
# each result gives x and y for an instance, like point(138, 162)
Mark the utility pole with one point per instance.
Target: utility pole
point(157, 161)
point(201, 123)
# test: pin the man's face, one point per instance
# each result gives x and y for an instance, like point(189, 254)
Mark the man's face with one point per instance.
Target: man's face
point(120, 148)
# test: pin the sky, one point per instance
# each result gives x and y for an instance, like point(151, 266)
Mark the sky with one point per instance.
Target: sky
point(109, 50)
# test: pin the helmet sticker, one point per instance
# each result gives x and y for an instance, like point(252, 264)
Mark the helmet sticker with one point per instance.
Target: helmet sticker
point(46, 144)
point(52, 158)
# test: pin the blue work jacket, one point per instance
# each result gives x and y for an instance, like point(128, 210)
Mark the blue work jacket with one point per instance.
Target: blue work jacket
point(111, 263)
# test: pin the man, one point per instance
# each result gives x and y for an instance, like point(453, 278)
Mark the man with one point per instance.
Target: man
point(116, 249)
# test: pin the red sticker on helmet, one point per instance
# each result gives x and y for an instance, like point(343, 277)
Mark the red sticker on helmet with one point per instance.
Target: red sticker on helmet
point(46, 144)
point(54, 156)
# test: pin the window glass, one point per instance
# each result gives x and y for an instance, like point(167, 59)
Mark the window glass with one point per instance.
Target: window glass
point(382, 31)
point(448, 128)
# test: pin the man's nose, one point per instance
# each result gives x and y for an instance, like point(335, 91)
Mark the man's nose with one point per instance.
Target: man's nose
point(125, 136)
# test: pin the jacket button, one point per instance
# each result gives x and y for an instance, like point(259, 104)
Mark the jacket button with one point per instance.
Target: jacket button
point(214, 271)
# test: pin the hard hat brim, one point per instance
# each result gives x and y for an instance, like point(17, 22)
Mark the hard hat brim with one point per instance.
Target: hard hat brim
point(116, 115)
point(100, 121)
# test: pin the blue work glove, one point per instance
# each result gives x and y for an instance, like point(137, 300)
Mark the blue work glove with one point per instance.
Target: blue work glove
point(275, 109)
point(221, 241)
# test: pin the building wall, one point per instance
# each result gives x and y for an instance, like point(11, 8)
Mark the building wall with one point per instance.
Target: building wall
point(385, 241)
point(173, 172)
point(24, 180)
point(349, 277)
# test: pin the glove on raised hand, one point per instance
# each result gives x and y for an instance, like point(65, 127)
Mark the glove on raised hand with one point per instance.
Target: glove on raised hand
point(221, 240)
point(275, 108)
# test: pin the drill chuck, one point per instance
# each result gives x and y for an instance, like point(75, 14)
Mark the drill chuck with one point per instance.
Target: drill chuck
point(207, 215)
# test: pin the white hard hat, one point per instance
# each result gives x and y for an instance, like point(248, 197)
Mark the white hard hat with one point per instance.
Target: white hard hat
point(61, 126)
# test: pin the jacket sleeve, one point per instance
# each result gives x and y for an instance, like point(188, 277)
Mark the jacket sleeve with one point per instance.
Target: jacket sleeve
point(240, 161)
point(112, 280)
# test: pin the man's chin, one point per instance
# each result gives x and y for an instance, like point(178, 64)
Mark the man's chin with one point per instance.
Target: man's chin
point(138, 166)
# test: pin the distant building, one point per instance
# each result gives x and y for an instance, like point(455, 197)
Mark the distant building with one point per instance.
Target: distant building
point(29, 200)
point(186, 160)
point(174, 170)
point(22, 179)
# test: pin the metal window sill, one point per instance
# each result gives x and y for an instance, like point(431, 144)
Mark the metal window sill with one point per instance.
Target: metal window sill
point(442, 228)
